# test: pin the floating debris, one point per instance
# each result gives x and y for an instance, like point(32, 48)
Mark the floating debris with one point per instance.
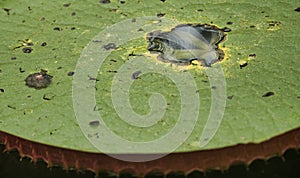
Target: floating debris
point(38, 80)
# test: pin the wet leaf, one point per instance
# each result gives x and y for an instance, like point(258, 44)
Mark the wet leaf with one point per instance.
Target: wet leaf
point(264, 35)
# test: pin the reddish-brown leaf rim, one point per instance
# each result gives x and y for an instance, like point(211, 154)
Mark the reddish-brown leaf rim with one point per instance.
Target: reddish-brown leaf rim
point(186, 162)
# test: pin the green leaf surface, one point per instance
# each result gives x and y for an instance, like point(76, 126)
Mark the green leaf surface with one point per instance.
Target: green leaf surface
point(268, 29)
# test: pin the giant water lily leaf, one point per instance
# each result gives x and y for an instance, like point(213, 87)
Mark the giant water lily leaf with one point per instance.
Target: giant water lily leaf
point(261, 70)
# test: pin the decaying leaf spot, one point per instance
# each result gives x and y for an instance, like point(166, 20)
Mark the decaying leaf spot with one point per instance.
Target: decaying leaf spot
point(230, 97)
point(104, 1)
point(6, 10)
point(48, 96)
point(188, 42)
point(297, 9)
point(94, 123)
point(136, 74)
point(27, 50)
point(109, 46)
point(70, 73)
point(159, 15)
point(44, 44)
point(1, 90)
point(38, 80)
point(270, 93)
point(243, 65)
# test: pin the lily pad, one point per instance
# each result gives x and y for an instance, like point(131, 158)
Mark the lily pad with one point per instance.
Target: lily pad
point(264, 40)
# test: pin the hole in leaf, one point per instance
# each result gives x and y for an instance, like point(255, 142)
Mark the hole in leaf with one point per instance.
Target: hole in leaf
point(186, 43)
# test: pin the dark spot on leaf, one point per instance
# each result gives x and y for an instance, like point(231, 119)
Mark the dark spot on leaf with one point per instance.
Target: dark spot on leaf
point(140, 30)
point(163, 0)
point(226, 29)
point(252, 26)
point(29, 8)
point(42, 19)
point(270, 93)
point(27, 50)
point(297, 9)
point(93, 78)
point(122, 2)
point(230, 97)
point(67, 4)
point(57, 28)
point(44, 44)
point(13, 58)
point(213, 87)
point(73, 28)
point(104, 1)
point(133, 20)
point(6, 10)
point(60, 67)
point(70, 73)
point(1, 90)
point(113, 10)
point(21, 70)
point(112, 71)
point(113, 60)
point(273, 23)
point(94, 123)
point(200, 10)
point(252, 55)
point(159, 15)
point(109, 46)
point(229, 23)
point(11, 107)
point(122, 13)
point(48, 96)
point(243, 65)
point(73, 14)
point(38, 80)
point(96, 41)
point(136, 74)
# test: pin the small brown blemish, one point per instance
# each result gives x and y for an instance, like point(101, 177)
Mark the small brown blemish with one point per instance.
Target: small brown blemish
point(109, 46)
point(94, 123)
point(73, 13)
point(38, 80)
point(252, 55)
point(270, 93)
point(243, 65)
point(11, 107)
point(13, 58)
point(67, 4)
point(159, 15)
point(44, 44)
point(297, 9)
point(70, 73)
point(1, 90)
point(6, 10)
point(104, 1)
point(57, 29)
point(27, 50)
point(21, 70)
point(48, 96)
point(229, 23)
point(230, 97)
point(136, 74)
